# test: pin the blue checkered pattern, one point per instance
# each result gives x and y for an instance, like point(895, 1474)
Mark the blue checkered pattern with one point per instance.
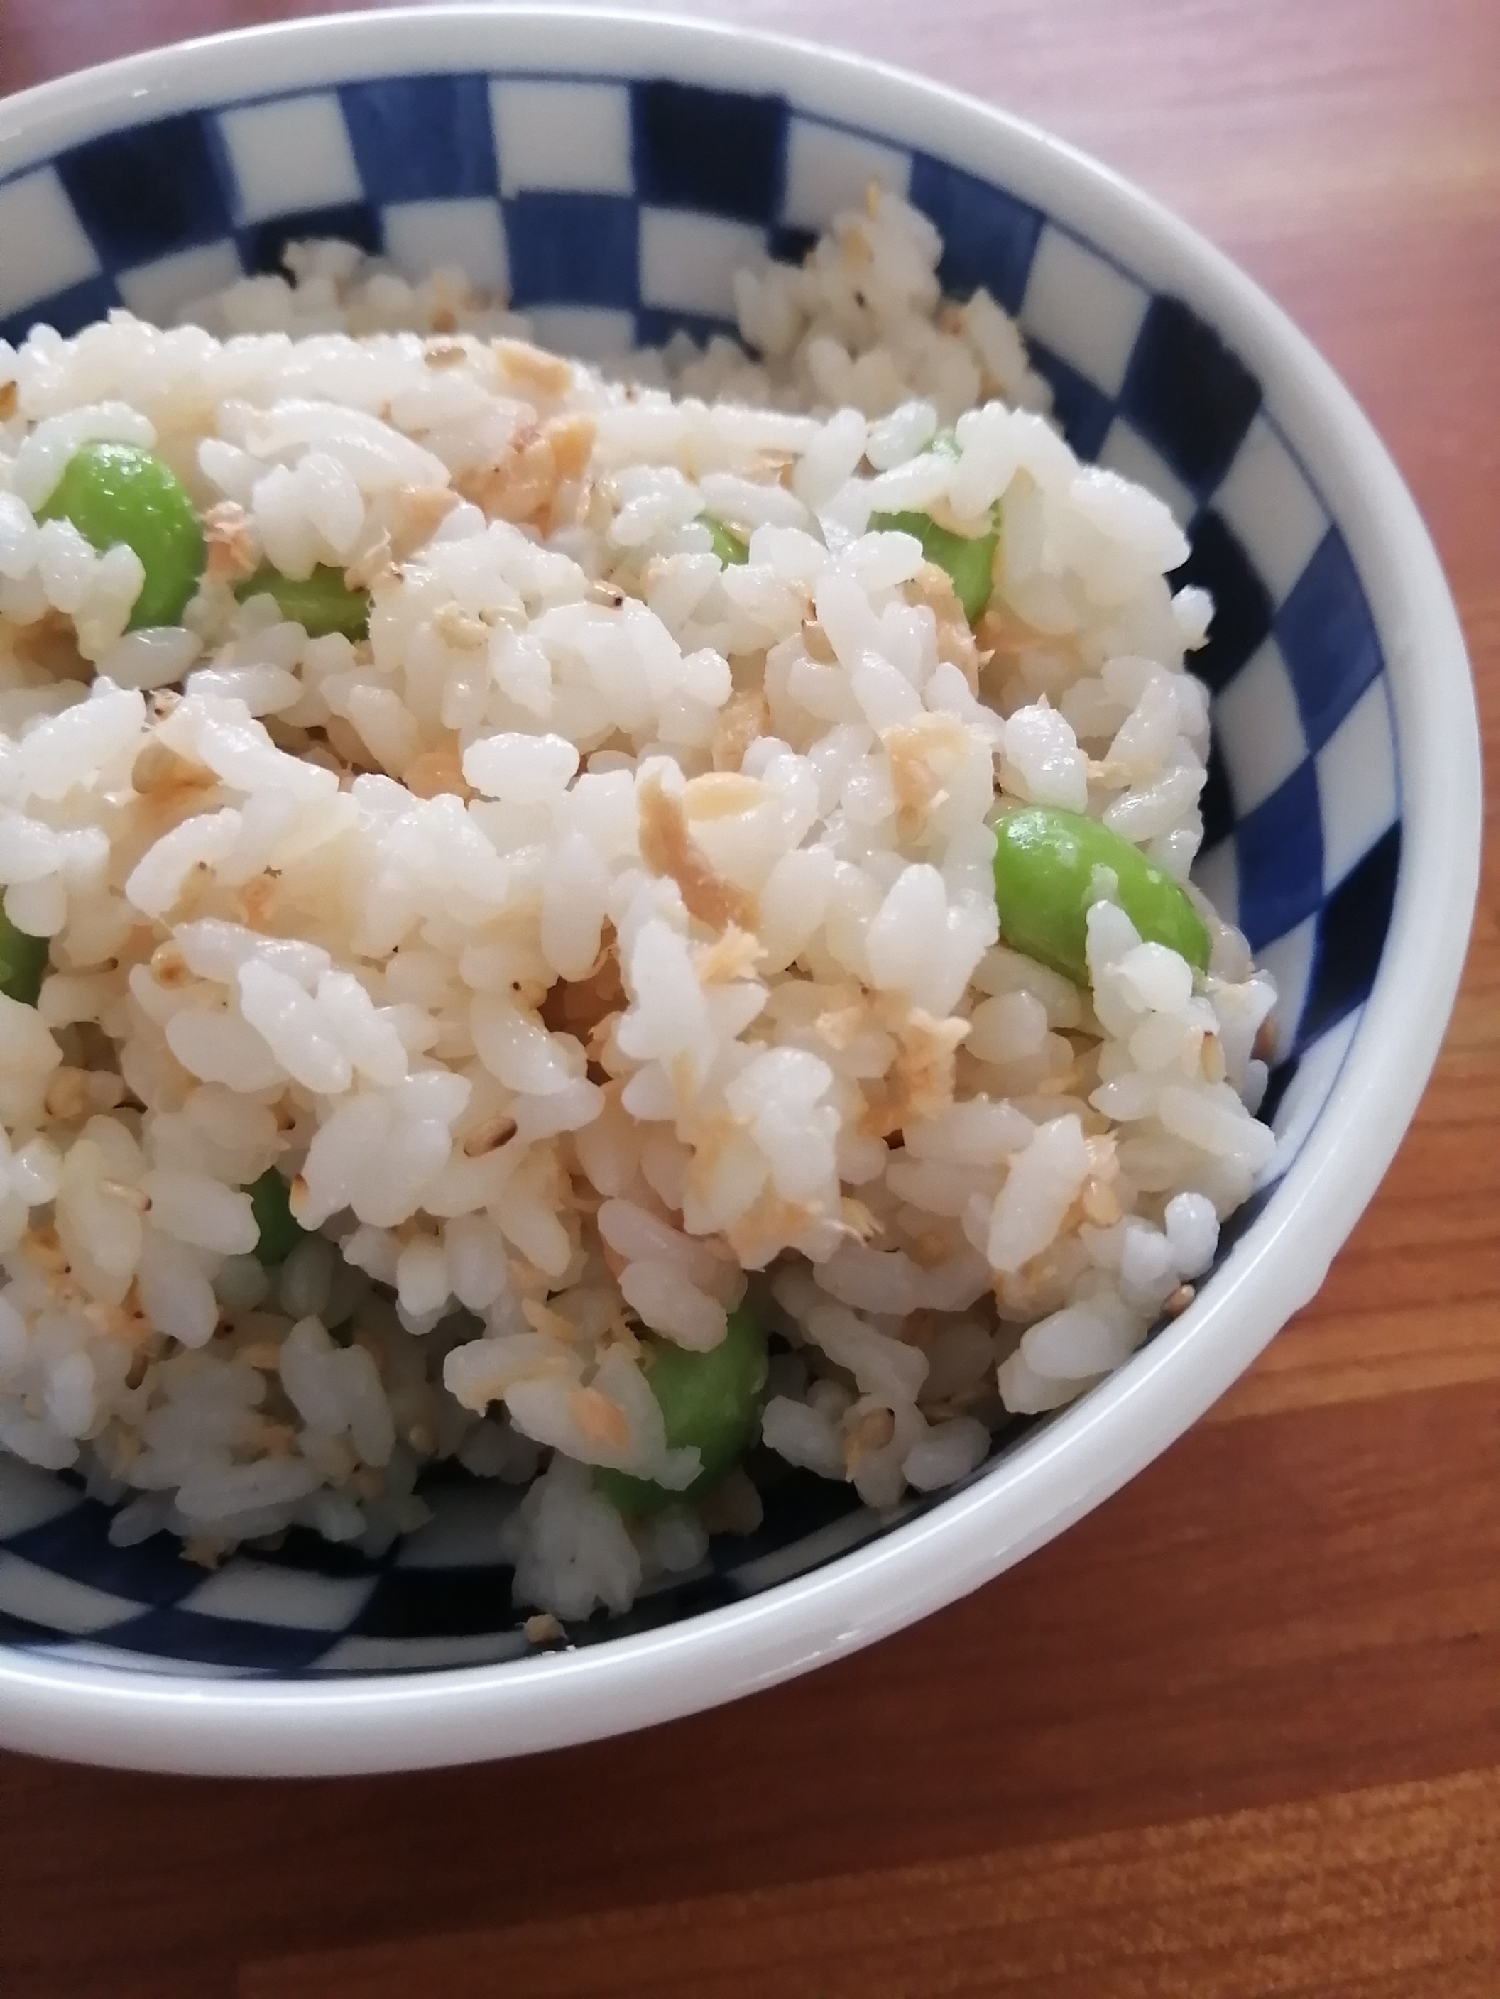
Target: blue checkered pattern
point(617, 212)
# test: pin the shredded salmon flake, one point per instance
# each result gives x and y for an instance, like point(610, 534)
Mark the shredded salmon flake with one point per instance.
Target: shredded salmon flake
point(601, 1420)
point(668, 849)
point(126, 1321)
point(840, 1025)
point(9, 398)
point(767, 1226)
point(930, 1248)
point(933, 586)
point(1002, 633)
point(571, 439)
point(741, 720)
point(416, 514)
point(857, 1219)
point(735, 955)
point(527, 367)
point(50, 642)
point(229, 542)
point(445, 353)
point(1178, 1301)
point(163, 776)
point(1060, 1085)
point(520, 484)
point(918, 791)
point(543, 1629)
point(682, 1074)
point(710, 1135)
point(869, 1432)
point(44, 1248)
point(1101, 1204)
point(460, 628)
point(921, 1079)
point(542, 1319)
point(920, 754)
point(436, 772)
point(257, 896)
point(856, 247)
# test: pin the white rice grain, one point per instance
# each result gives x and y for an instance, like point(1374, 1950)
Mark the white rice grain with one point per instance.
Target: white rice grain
point(604, 943)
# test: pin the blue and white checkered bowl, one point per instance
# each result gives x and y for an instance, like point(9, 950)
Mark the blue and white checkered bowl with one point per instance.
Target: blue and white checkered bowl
point(613, 172)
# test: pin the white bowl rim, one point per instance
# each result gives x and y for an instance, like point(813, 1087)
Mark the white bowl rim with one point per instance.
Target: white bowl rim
point(198, 1724)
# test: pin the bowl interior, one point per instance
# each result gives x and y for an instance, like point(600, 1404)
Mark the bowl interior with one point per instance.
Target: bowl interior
point(615, 207)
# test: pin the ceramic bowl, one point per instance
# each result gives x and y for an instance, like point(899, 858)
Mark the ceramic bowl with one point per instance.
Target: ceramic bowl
point(614, 171)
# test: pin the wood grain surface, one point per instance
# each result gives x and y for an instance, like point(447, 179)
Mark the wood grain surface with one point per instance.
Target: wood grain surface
point(1236, 1735)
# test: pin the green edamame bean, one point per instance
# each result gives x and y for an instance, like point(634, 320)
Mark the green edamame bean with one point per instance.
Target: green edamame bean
point(708, 1399)
point(320, 603)
point(726, 543)
point(1044, 877)
point(271, 1204)
point(968, 559)
point(117, 492)
point(23, 960)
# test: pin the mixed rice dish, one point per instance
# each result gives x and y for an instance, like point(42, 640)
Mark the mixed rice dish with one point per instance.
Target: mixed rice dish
point(615, 928)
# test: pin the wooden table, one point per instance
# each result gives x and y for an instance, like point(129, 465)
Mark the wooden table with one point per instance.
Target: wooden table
point(1239, 1733)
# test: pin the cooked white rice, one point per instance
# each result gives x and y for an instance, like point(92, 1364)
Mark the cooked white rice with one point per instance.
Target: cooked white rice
point(612, 931)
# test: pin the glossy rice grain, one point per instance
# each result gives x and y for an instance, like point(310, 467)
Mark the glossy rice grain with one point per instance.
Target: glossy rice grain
point(521, 953)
